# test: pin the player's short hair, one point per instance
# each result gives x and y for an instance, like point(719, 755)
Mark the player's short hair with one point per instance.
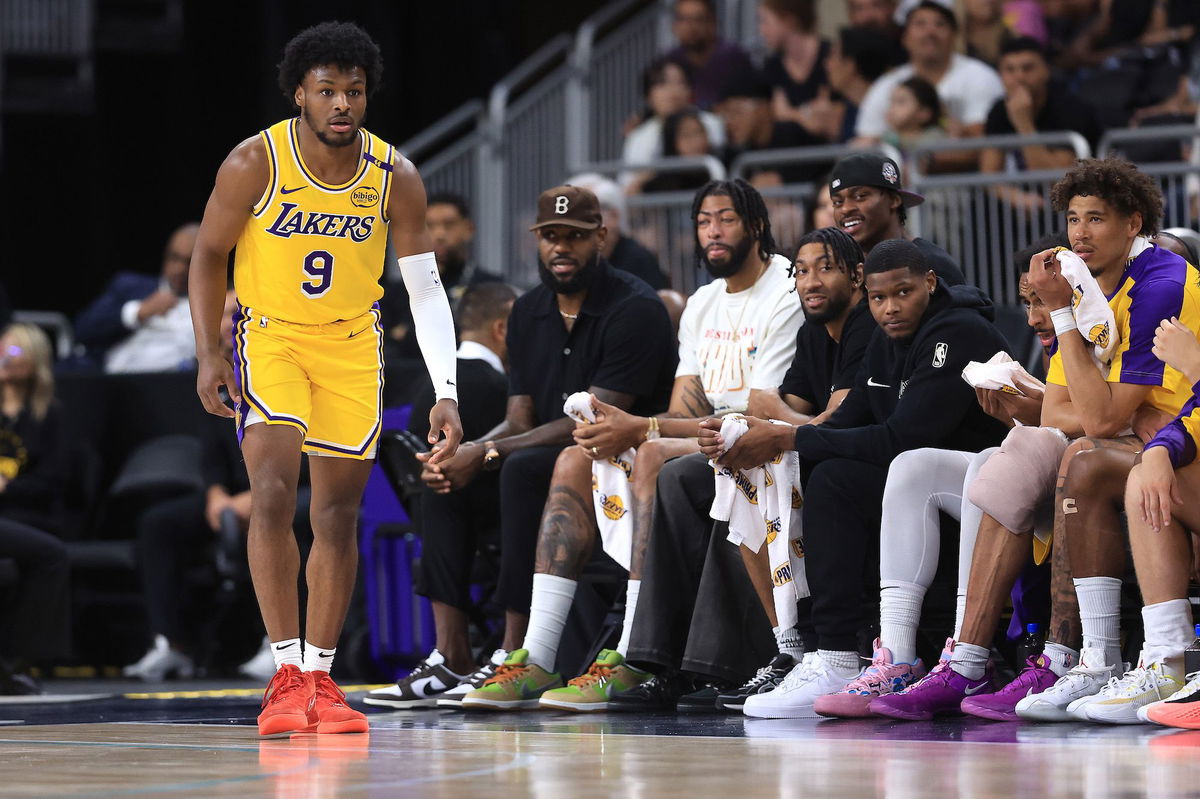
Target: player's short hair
point(895, 254)
point(483, 303)
point(1116, 181)
point(449, 198)
point(1023, 256)
point(342, 44)
point(748, 204)
point(839, 245)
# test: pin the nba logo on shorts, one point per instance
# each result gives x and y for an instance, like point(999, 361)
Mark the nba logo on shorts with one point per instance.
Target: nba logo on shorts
point(939, 354)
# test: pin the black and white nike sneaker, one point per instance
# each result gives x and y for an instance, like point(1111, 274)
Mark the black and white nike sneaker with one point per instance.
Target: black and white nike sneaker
point(454, 697)
point(763, 680)
point(429, 680)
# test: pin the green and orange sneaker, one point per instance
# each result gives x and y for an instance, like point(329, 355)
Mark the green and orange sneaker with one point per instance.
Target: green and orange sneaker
point(590, 692)
point(517, 685)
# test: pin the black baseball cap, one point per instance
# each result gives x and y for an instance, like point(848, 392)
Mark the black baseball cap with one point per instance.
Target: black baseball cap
point(573, 206)
point(871, 169)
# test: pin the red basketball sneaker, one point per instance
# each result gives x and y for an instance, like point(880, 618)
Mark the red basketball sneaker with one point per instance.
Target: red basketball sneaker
point(287, 702)
point(329, 711)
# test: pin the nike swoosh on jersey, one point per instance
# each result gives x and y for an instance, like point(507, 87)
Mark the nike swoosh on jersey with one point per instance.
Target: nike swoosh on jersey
point(871, 382)
point(286, 190)
point(421, 687)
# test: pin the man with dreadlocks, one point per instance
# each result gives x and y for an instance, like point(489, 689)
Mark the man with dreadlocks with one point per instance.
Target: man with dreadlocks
point(736, 339)
point(928, 333)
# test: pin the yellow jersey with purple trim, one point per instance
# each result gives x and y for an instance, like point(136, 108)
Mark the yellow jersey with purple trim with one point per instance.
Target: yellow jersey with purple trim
point(1181, 435)
point(1157, 285)
point(312, 252)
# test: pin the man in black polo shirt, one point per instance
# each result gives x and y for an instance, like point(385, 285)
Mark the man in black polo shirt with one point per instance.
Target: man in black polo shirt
point(869, 203)
point(588, 327)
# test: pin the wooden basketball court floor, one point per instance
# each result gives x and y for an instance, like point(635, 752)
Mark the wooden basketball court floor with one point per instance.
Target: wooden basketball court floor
point(204, 744)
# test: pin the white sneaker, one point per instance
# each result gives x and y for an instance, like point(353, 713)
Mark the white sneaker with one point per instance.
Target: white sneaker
point(160, 661)
point(1084, 680)
point(261, 667)
point(1119, 701)
point(454, 697)
point(793, 698)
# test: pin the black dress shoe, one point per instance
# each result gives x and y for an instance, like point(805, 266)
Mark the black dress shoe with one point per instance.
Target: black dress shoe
point(659, 693)
point(704, 698)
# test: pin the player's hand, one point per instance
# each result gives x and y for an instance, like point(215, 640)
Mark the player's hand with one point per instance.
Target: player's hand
point(1153, 488)
point(1045, 278)
point(156, 304)
point(213, 372)
point(1018, 101)
point(217, 500)
point(444, 421)
point(761, 442)
point(1176, 344)
point(711, 442)
point(614, 431)
point(454, 472)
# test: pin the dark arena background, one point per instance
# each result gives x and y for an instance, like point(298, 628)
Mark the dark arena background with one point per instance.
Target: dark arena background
point(921, 140)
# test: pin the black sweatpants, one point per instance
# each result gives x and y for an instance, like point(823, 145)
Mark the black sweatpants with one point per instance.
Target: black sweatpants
point(453, 527)
point(524, 485)
point(35, 622)
point(843, 502)
point(697, 609)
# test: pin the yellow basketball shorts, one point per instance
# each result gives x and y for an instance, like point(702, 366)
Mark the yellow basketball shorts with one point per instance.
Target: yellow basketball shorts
point(325, 380)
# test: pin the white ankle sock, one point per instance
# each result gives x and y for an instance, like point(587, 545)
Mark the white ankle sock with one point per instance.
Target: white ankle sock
point(631, 598)
point(286, 652)
point(899, 615)
point(1169, 631)
point(316, 658)
point(552, 597)
point(969, 660)
point(1062, 658)
point(844, 663)
point(960, 613)
point(1100, 615)
point(789, 643)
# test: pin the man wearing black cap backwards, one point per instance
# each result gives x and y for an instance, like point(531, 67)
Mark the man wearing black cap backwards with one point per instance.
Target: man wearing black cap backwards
point(587, 327)
point(869, 203)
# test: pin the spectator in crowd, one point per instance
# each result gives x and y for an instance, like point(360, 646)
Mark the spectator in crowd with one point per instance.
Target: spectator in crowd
point(587, 327)
point(989, 24)
point(706, 55)
point(736, 338)
point(822, 209)
point(914, 115)
point(667, 91)
point(177, 535)
point(795, 68)
point(621, 251)
point(745, 107)
point(34, 624)
point(968, 87)
point(870, 202)
point(877, 14)
point(683, 134)
point(856, 60)
point(450, 226)
point(142, 323)
point(455, 526)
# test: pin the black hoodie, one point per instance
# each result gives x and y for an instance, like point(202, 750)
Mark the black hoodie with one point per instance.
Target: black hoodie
point(910, 394)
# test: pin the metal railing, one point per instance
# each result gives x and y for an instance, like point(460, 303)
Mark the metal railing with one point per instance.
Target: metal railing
point(1112, 141)
point(47, 27)
point(675, 163)
point(746, 163)
point(454, 167)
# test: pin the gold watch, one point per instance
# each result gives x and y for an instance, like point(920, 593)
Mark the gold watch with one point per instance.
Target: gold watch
point(491, 456)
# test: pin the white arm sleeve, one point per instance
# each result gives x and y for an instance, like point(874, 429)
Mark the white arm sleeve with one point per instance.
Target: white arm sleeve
point(434, 325)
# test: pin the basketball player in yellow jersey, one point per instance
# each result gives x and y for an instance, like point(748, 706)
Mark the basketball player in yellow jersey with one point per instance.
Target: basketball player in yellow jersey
point(309, 203)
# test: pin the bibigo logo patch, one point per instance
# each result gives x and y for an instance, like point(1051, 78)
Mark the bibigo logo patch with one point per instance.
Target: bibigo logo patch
point(364, 197)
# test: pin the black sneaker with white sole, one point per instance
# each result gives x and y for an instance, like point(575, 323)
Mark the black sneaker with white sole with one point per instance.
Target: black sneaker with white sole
point(763, 680)
point(454, 697)
point(429, 680)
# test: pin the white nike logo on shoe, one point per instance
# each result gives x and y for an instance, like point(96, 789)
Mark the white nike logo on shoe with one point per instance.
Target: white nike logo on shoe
point(871, 382)
point(975, 690)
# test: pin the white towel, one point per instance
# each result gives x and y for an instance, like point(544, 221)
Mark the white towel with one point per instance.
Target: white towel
point(762, 504)
point(1001, 373)
point(1093, 315)
point(612, 492)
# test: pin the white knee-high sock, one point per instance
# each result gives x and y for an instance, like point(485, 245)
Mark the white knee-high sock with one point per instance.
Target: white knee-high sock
point(899, 615)
point(1168, 632)
point(1100, 615)
point(631, 598)
point(548, 609)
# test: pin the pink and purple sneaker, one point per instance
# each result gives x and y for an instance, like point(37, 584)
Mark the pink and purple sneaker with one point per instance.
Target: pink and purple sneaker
point(881, 678)
point(1002, 705)
point(940, 692)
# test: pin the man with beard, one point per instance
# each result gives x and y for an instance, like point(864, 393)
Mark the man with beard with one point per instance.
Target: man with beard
point(587, 327)
point(736, 338)
point(309, 204)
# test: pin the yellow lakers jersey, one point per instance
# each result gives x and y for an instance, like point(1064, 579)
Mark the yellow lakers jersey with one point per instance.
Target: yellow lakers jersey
point(312, 252)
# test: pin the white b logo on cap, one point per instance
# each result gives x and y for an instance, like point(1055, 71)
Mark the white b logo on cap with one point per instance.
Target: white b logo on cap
point(560, 204)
